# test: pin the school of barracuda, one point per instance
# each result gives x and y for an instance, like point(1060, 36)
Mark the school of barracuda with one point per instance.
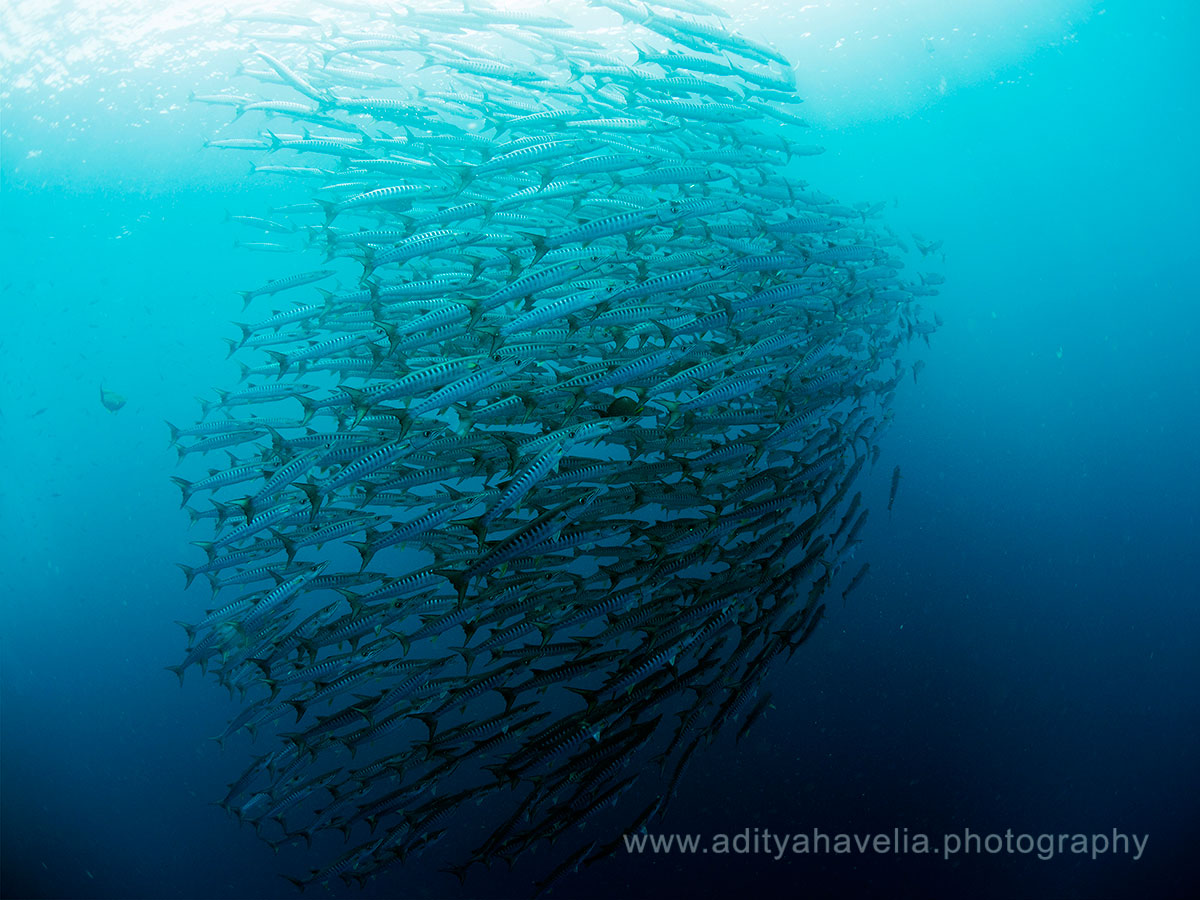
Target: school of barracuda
point(533, 481)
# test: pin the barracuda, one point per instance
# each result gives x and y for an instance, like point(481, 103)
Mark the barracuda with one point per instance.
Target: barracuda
point(593, 392)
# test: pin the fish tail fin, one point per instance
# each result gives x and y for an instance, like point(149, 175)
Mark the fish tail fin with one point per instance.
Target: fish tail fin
point(300, 707)
point(304, 833)
point(365, 550)
point(310, 409)
point(587, 695)
point(468, 655)
point(208, 547)
point(246, 505)
point(298, 883)
point(464, 174)
point(504, 772)
point(509, 695)
point(673, 413)
point(478, 527)
point(330, 208)
point(289, 545)
point(457, 579)
point(189, 573)
point(185, 487)
point(539, 245)
point(355, 600)
point(429, 721)
point(459, 871)
point(281, 360)
point(404, 641)
point(359, 400)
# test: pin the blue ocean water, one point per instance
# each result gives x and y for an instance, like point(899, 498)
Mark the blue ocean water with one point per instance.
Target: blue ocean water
point(1022, 655)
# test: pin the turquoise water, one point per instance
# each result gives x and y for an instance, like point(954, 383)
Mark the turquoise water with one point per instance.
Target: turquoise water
point(1022, 655)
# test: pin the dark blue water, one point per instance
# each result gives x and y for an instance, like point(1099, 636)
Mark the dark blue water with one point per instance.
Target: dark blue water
point(1023, 655)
